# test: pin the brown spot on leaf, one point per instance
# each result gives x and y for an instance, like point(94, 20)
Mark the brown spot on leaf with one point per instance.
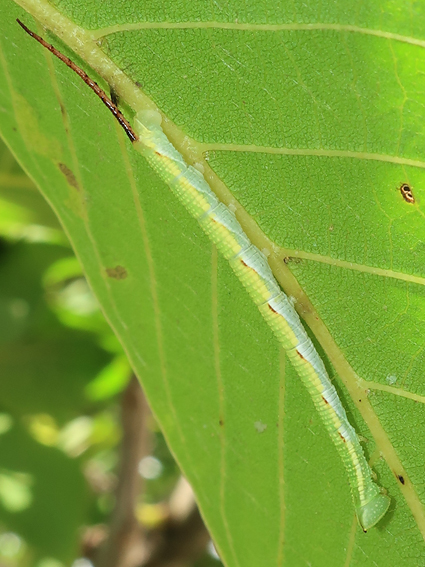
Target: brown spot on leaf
point(118, 273)
point(69, 176)
point(292, 260)
point(401, 479)
point(406, 193)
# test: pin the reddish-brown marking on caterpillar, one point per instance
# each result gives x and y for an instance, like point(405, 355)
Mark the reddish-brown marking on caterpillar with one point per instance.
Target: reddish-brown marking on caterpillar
point(299, 354)
point(342, 436)
point(271, 308)
point(325, 400)
point(92, 84)
point(406, 193)
point(248, 266)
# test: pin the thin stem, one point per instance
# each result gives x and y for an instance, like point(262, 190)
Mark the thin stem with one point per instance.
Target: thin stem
point(92, 84)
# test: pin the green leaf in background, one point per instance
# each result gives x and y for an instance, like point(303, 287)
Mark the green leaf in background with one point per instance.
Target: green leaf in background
point(307, 118)
point(58, 499)
point(21, 204)
point(34, 345)
point(49, 376)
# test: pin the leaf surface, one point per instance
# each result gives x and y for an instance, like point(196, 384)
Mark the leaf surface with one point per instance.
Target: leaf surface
point(307, 119)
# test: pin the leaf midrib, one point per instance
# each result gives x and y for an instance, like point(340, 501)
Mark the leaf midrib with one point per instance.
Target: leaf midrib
point(235, 26)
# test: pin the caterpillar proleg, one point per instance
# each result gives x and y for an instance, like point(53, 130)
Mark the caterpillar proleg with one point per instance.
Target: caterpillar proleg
point(252, 269)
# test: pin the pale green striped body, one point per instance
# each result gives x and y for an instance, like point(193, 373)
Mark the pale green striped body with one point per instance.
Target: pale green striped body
point(253, 270)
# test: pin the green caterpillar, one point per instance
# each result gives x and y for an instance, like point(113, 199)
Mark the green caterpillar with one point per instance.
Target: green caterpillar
point(251, 267)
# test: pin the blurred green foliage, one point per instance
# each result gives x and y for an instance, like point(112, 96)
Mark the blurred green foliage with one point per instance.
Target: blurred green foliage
point(61, 373)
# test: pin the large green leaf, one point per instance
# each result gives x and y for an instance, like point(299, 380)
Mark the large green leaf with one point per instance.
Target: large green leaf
point(307, 119)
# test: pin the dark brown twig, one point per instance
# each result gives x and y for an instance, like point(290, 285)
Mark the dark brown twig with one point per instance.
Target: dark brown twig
point(92, 84)
point(124, 545)
point(178, 541)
